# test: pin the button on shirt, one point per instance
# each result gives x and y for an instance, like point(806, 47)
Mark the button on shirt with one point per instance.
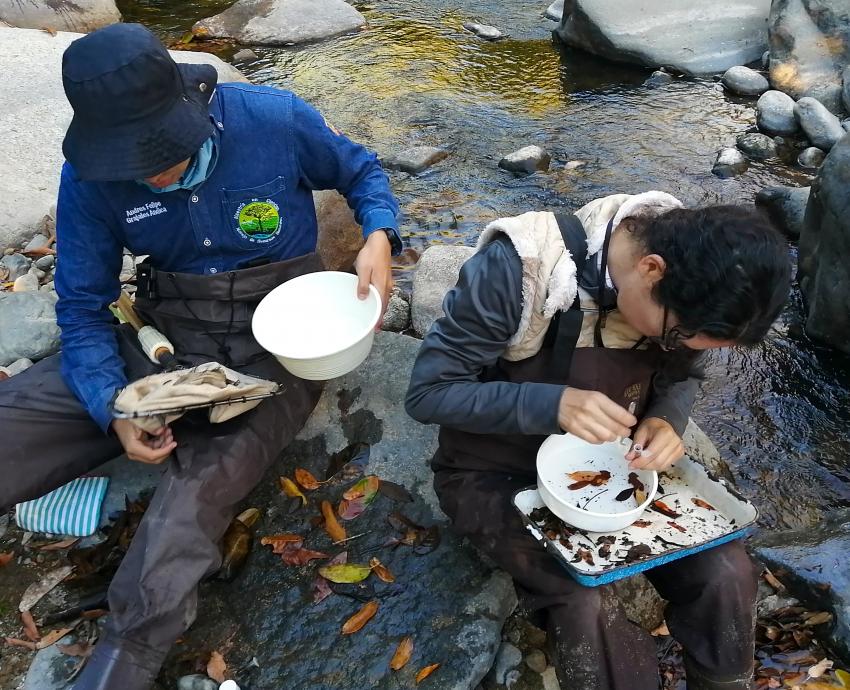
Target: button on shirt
point(273, 151)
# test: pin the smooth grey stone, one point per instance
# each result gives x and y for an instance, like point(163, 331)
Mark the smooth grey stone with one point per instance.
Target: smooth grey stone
point(811, 157)
point(730, 162)
point(415, 160)
point(526, 160)
point(37, 242)
point(507, 661)
point(786, 207)
point(35, 334)
point(196, 682)
point(744, 81)
point(658, 78)
point(16, 264)
point(536, 660)
point(397, 316)
point(27, 282)
point(696, 38)
point(489, 33)
point(821, 127)
point(45, 263)
point(756, 146)
point(245, 55)
point(436, 273)
point(775, 113)
point(281, 22)
point(60, 15)
point(555, 11)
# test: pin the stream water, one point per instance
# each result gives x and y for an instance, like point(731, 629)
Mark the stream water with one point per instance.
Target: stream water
point(779, 412)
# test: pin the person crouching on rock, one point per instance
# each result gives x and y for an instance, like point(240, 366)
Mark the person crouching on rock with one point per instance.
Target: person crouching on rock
point(214, 183)
point(536, 340)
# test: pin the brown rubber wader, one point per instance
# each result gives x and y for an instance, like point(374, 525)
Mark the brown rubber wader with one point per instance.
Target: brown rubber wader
point(153, 596)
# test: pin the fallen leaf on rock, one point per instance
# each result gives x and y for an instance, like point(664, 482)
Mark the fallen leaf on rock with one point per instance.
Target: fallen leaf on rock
point(348, 510)
point(53, 637)
point(843, 677)
point(290, 488)
point(381, 570)
point(402, 654)
point(217, 667)
point(345, 573)
point(661, 631)
point(395, 492)
point(332, 527)
point(701, 504)
point(359, 619)
point(321, 587)
point(59, 545)
point(37, 590)
point(279, 542)
point(30, 629)
point(25, 644)
point(366, 488)
point(820, 668)
point(48, 30)
point(80, 649)
point(248, 517)
point(425, 672)
point(295, 555)
point(818, 618)
point(661, 507)
point(350, 462)
point(770, 578)
point(307, 480)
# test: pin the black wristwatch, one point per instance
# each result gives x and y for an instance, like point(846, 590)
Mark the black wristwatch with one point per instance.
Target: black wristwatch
point(395, 240)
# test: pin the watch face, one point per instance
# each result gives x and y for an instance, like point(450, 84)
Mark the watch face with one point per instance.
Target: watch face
point(395, 241)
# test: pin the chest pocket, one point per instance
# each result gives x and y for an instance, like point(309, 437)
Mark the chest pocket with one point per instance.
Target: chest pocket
point(256, 215)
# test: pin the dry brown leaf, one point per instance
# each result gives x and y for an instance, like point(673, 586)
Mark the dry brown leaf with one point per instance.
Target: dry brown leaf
point(381, 570)
point(306, 480)
point(53, 637)
point(248, 517)
point(588, 478)
point(402, 654)
point(366, 488)
point(30, 628)
point(770, 578)
point(818, 618)
point(294, 555)
point(664, 509)
point(59, 545)
point(93, 614)
point(48, 30)
point(37, 590)
point(425, 672)
point(290, 488)
point(80, 649)
point(661, 631)
point(279, 542)
point(217, 667)
point(359, 619)
point(332, 526)
point(702, 504)
point(25, 644)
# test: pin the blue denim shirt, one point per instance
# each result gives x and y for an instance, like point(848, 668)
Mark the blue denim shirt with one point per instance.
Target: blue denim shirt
point(273, 151)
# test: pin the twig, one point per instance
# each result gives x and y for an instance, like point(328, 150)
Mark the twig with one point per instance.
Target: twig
point(355, 536)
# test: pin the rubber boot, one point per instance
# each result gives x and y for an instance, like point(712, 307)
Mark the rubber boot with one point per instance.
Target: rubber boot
point(698, 679)
point(120, 665)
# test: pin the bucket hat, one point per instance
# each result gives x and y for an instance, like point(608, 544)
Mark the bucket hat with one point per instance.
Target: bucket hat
point(136, 111)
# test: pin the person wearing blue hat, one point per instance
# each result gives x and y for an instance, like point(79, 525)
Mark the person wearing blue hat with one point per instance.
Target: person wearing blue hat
point(213, 182)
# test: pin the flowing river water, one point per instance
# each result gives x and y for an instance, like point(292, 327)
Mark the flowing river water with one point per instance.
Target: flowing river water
point(780, 412)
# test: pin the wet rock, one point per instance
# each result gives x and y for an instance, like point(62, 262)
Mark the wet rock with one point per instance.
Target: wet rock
point(845, 90)
point(523, 633)
point(436, 273)
point(397, 316)
point(340, 237)
point(730, 162)
point(786, 207)
point(774, 602)
point(37, 242)
point(695, 38)
point(415, 159)
point(526, 160)
point(658, 78)
point(809, 44)
point(485, 31)
point(34, 117)
point(26, 283)
point(555, 11)
point(281, 22)
point(756, 146)
point(744, 81)
point(245, 55)
point(775, 113)
point(35, 333)
point(702, 449)
point(815, 565)
point(18, 366)
point(812, 157)
point(642, 604)
point(536, 661)
point(45, 263)
point(824, 256)
point(507, 660)
point(821, 127)
point(16, 264)
point(196, 682)
point(60, 15)
point(50, 668)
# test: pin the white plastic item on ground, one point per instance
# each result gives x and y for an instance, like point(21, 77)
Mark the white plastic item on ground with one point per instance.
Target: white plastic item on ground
point(316, 326)
point(228, 685)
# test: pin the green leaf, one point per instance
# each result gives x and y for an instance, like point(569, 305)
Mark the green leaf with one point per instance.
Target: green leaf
point(843, 677)
point(187, 37)
point(366, 488)
point(345, 573)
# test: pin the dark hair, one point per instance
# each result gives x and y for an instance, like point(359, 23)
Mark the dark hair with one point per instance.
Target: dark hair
point(728, 273)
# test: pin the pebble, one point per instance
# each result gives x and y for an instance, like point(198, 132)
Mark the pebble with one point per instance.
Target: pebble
point(508, 658)
point(536, 660)
point(526, 160)
point(196, 682)
point(811, 157)
point(745, 81)
point(757, 146)
point(38, 273)
point(45, 263)
point(775, 113)
point(26, 283)
point(397, 316)
point(415, 159)
point(658, 78)
point(16, 264)
point(245, 55)
point(574, 165)
point(47, 287)
point(37, 242)
point(730, 162)
point(489, 33)
point(821, 127)
point(18, 366)
point(9, 250)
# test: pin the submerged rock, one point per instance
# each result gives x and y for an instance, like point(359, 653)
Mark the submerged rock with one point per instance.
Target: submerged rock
point(485, 31)
point(281, 22)
point(29, 326)
point(730, 162)
point(695, 38)
point(415, 160)
point(824, 256)
point(436, 273)
point(59, 15)
point(786, 207)
point(775, 113)
point(527, 160)
point(744, 81)
point(658, 78)
point(812, 157)
point(245, 55)
point(756, 146)
point(821, 127)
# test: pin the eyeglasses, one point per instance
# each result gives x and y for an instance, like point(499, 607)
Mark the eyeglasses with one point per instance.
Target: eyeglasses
point(672, 339)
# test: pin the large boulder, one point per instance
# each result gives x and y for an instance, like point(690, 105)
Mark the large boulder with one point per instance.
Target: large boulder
point(809, 47)
point(824, 257)
point(34, 118)
point(59, 15)
point(29, 326)
point(340, 237)
point(436, 273)
point(786, 207)
point(281, 22)
point(692, 37)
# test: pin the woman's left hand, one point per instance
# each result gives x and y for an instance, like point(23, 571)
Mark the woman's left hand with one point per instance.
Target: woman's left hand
point(662, 446)
point(373, 266)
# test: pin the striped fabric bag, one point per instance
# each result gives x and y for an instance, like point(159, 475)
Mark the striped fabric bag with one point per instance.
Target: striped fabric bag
point(73, 509)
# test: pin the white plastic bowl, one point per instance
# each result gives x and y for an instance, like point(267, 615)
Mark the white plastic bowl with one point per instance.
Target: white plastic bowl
point(561, 454)
point(316, 326)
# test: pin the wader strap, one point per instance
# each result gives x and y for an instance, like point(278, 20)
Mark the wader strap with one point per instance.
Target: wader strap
point(602, 290)
point(569, 322)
